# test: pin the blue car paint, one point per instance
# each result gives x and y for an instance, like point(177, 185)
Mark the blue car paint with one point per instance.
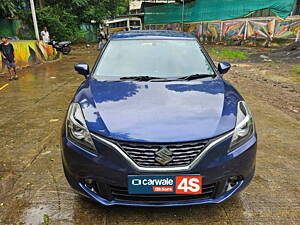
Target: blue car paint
point(111, 168)
point(207, 201)
point(163, 34)
point(157, 112)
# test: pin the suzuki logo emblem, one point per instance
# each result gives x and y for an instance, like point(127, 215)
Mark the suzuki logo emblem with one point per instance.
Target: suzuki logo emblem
point(163, 156)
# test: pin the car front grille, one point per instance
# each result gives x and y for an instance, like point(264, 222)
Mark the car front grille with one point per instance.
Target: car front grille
point(145, 155)
point(121, 194)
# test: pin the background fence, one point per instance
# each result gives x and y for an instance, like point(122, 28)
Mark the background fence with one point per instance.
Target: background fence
point(246, 28)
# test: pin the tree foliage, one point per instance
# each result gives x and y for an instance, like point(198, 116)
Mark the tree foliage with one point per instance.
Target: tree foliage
point(7, 8)
point(87, 10)
point(62, 24)
point(63, 17)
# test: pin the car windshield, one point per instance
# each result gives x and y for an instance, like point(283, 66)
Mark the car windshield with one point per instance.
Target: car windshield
point(155, 58)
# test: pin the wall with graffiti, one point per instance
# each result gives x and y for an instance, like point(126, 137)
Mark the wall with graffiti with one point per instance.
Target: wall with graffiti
point(246, 28)
point(28, 53)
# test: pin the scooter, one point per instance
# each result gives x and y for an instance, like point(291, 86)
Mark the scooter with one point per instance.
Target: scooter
point(63, 46)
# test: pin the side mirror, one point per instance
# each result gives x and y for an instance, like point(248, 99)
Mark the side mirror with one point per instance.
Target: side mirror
point(223, 67)
point(82, 68)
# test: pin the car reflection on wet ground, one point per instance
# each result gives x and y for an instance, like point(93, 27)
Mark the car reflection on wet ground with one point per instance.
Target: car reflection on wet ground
point(32, 183)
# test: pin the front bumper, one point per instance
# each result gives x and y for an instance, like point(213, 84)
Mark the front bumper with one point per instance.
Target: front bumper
point(109, 170)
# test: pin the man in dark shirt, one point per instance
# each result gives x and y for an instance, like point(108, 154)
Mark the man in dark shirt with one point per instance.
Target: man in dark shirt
point(8, 57)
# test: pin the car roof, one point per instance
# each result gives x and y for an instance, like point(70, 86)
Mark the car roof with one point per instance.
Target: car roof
point(151, 34)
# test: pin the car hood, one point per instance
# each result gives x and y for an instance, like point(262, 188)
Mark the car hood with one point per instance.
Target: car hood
point(175, 111)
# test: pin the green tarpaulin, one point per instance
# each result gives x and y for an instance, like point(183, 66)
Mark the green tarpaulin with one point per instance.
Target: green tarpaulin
point(210, 10)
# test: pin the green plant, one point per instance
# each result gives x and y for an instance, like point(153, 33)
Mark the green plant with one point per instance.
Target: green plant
point(64, 17)
point(296, 69)
point(227, 54)
point(46, 219)
point(61, 24)
point(88, 10)
point(7, 8)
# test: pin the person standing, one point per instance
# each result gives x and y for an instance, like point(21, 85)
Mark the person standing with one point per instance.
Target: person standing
point(254, 38)
point(45, 35)
point(102, 40)
point(269, 40)
point(8, 57)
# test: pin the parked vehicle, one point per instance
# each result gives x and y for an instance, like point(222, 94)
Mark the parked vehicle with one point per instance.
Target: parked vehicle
point(63, 46)
point(155, 124)
point(124, 24)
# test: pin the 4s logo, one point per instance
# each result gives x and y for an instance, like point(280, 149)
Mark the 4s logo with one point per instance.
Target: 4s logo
point(188, 185)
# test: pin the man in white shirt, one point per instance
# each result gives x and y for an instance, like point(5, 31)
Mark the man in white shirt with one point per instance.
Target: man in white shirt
point(45, 35)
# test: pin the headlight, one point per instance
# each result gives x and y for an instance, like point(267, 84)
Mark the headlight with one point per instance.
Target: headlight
point(77, 130)
point(244, 127)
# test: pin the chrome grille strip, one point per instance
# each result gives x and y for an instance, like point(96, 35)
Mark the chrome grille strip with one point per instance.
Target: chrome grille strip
point(187, 148)
point(163, 169)
point(145, 153)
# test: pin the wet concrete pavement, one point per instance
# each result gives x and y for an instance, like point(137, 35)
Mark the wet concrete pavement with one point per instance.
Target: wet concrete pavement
point(32, 183)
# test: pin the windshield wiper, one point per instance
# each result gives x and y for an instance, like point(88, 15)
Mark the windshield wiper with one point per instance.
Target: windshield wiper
point(196, 76)
point(139, 78)
point(157, 79)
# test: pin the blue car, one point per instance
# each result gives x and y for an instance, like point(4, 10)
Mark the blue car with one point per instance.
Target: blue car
point(155, 124)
